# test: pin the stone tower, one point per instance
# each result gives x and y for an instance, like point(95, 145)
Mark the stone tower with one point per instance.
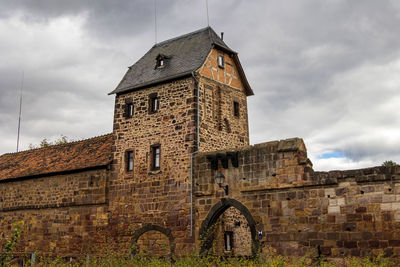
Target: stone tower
point(185, 95)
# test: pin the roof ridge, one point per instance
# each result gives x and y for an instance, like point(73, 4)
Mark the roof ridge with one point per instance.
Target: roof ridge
point(56, 145)
point(181, 36)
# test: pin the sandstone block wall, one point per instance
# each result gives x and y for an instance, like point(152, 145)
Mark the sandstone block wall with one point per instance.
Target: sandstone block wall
point(160, 197)
point(64, 214)
point(335, 214)
point(82, 188)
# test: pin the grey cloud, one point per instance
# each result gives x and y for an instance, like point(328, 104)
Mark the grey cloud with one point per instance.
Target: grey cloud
point(320, 69)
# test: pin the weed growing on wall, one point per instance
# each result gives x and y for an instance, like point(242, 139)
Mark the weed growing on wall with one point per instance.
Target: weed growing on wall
point(9, 245)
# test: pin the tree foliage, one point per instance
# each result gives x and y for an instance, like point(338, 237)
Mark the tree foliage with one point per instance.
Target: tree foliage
point(389, 163)
point(45, 142)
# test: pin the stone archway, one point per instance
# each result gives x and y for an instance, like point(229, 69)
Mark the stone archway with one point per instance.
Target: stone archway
point(153, 228)
point(216, 211)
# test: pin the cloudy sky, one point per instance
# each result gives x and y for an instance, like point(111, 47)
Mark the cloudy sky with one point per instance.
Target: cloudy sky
point(327, 71)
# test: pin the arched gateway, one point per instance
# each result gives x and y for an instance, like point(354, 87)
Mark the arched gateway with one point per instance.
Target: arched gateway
point(151, 228)
point(216, 211)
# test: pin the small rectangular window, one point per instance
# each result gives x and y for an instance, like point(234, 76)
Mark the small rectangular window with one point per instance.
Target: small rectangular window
point(236, 109)
point(129, 110)
point(228, 240)
point(129, 161)
point(160, 63)
point(221, 61)
point(156, 155)
point(153, 103)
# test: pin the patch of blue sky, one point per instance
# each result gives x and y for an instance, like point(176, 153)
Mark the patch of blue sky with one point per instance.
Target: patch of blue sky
point(331, 154)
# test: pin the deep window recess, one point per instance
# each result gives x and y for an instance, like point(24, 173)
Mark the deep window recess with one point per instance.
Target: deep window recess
point(221, 61)
point(155, 157)
point(236, 109)
point(129, 161)
point(129, 110)
point(160, 61)
point(228, 236)
point(153, 103)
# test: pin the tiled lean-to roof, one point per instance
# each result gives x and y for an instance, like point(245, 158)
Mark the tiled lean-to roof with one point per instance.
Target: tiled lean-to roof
point(89, 153)
point(182, 56)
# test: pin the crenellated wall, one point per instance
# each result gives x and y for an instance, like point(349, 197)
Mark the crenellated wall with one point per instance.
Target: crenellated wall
point(335, 214)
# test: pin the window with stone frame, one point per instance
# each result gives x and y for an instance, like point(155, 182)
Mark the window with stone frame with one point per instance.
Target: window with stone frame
point(154, 103)
point(236, 109)
point(129, 108)
point(155, 157)
point(129, 160)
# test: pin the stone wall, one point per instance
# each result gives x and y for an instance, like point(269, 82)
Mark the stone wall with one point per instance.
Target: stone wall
point(145, 196)
point(79, 188)
point(162, 197)
point(63, 214)
point(234, 222)
point(334, 214)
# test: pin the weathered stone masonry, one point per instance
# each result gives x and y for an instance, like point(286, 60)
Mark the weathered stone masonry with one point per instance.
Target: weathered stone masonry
point(338, 213)
point(80, 198)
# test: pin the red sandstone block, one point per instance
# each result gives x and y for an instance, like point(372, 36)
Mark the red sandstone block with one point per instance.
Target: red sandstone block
point(373, 243)
point(394, 243)
point(350, 244)
point(361, 209)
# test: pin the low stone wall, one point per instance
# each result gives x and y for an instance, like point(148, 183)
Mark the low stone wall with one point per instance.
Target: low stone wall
point(63, 215)
point(79, 188)
point(295, 210)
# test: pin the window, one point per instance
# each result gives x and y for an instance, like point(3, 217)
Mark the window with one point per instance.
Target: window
point(129, 161)
point(160, 61)
point(155, 157)
point(228, 236)
point(128, 107)
point(236, 108)
point(129, 110)
point(221, 61)
point(153, 103)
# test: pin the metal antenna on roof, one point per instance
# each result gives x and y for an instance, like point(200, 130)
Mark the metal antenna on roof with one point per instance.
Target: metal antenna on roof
point(155, 21)
point(20, 110)
point(208, 20)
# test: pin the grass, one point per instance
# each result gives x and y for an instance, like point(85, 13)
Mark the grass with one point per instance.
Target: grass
point(194, 260)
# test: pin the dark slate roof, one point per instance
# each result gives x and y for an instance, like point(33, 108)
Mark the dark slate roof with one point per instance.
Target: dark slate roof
point(183, 55)
point(89, 153)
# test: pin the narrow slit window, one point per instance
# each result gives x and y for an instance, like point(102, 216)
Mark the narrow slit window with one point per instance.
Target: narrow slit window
point(129, 110)
point(228, 240)
point(156, 156)
point(129, 161)
point(236, 110)
point(154, 104)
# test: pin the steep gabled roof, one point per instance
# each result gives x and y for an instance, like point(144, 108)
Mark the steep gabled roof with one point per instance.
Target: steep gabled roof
point(89, 153)
point(183, 55)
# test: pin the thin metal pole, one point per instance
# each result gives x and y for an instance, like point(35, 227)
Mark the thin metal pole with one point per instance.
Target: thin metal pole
point(208, 20)
point(155, 21)
point(20, 110)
